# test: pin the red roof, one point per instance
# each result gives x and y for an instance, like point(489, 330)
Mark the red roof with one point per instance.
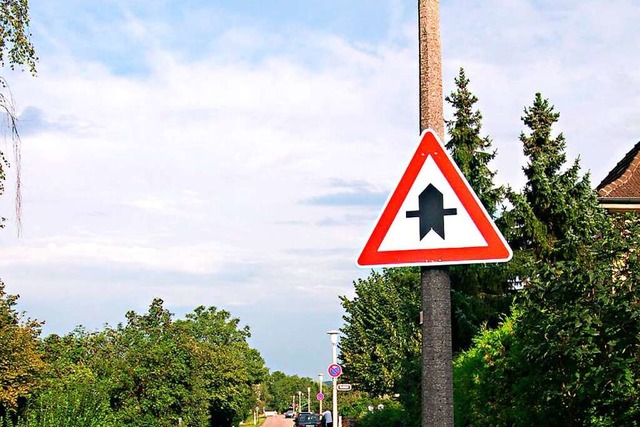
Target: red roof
point(622, 185)
point(624, 179)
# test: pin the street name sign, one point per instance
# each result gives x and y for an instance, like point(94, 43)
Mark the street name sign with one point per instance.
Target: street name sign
point(433, 217)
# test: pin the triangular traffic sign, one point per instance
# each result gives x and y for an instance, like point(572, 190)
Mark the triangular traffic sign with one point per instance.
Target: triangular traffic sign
point(433, 217)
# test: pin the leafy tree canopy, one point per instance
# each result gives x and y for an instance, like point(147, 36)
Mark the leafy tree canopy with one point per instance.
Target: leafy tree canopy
point(381, 331)
point(16, 49)
point(569, 355)
point(21, 364)
point(15, 42)
point(154, 370)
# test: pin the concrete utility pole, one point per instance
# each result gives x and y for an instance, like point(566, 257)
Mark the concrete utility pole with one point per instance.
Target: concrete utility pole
point(437, 378)
point(430, 58)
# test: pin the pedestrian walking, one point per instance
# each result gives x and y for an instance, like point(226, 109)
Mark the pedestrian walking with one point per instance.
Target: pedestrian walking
point(327, 418)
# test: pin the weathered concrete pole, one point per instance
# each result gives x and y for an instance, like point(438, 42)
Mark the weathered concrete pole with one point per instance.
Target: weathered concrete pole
point(430, 58)
point(437, 378)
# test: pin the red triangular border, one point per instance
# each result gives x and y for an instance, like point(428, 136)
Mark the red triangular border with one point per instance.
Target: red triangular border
point(497, 250)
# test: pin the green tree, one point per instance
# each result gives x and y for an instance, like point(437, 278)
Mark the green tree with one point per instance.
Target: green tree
point(71, 389)
point(21, 364)
point(481, 294)
point(381, 334)
point(16, 49)
point(472, 152)
point(228, 371)
point(580, 331)
point(152, 371)
point(556, 202)
point(77, 398)
point(380, 348)
point(278, 393)
point(281, 389)
point(569, 355)
point(19, 360)
point(15, 44)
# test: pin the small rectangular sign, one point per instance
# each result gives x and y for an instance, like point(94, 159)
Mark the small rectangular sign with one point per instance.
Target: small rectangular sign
point(343, 387)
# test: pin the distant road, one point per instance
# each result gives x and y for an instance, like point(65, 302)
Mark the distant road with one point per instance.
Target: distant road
point(278, 421)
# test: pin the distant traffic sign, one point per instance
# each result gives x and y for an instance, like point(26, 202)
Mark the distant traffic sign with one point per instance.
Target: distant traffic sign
point(320, 396)
point(334, 370)
point(344, 387)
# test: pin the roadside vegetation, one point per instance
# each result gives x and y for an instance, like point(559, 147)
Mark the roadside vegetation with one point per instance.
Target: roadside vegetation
point(152, 370)
point(551, 337)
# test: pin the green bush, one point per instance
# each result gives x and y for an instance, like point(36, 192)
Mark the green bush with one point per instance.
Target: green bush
point(570, 353)
point(73, 400)
point(481, 379)
point(391, 416)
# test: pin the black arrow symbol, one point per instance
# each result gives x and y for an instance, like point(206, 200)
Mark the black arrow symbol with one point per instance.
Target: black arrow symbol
point(431, 211)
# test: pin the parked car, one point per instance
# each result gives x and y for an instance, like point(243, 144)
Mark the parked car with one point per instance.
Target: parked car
point(307, 419)
point(289, 414)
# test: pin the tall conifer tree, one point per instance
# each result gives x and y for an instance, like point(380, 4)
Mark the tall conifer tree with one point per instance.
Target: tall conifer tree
point(554, 203)
point(567, 356)
point(479, 293)
point(471, 151)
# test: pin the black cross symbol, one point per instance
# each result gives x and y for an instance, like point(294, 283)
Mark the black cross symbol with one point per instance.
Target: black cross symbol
point(431, 211)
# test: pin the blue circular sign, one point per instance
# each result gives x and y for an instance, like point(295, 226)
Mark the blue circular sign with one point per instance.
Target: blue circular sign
point(334, 370)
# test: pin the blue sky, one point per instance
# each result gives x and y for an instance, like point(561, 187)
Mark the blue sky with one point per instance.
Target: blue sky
point(236, 153)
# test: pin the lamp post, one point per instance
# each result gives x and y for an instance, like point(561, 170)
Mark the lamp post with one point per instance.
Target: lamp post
point(320, 384)
point(309, 399)
point(333, 336)
point(300, 401)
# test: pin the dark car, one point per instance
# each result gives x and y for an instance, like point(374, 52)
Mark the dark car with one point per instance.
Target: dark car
point(307, 419)
point(289, 414)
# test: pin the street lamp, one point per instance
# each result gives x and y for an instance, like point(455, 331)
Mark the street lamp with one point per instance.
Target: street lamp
point(320, 383)
point(333, 336)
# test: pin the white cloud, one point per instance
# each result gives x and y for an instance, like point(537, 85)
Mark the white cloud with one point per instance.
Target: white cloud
point(191, 160)
point(204, 258)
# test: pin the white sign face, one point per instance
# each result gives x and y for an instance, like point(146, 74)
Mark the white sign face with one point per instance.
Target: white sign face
point(459, 229)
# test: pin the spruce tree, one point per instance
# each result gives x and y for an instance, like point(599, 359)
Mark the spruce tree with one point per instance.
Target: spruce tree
point(472, 152)
point(479, 292)
point(566, 356)
point(555, 203)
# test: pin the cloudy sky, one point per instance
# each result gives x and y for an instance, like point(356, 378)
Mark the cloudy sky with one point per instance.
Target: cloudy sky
point(236, 153)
